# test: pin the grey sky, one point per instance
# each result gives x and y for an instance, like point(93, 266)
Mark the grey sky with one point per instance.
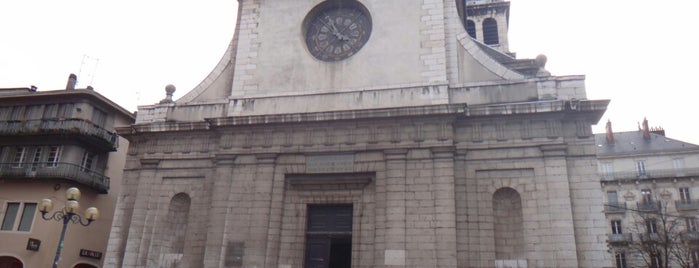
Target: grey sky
point(640, 54)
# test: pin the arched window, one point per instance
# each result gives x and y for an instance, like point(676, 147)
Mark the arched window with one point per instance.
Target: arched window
point(176, 223)
point(490, 32)
point(471, 28)
point(507, 223)
point(10, 262)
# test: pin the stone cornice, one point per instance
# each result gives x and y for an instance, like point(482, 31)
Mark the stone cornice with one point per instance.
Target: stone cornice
point(597, 107)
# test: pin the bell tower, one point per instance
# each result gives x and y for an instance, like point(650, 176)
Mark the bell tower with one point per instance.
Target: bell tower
point(487, 21)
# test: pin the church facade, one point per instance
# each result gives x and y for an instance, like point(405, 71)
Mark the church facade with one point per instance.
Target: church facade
point(351, 133)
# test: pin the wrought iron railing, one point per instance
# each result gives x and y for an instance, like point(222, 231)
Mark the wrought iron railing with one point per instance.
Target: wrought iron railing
point(58, 126)
point(651, 174)
point(690, 236)
point(619, 238)
point(648, 206)
point(650, 237)
point(58, 170)
point(615, 207)
point(684, 205)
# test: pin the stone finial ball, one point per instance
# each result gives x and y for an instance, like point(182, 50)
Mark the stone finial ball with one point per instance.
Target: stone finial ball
point(169, 89)
point(541, 60)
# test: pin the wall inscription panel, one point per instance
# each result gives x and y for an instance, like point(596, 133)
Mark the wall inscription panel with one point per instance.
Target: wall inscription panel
point(337, 163)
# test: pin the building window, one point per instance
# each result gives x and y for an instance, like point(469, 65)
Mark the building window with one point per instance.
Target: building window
point(23, 223)
point(490, 32)
point(37, 155)
point(607, 170)
point(685, 197)
point(641, 168)
point(678, 164)
point(50, 111)
point(691, 224)
point(471, 28)
point(695, 258)
point(616, 227)
point(620, 260)
point(647, 196)
point(19, 157)
point(655, 261)
point(651, 227)
point(99, 117)
point(612, 197)
point(88, 162)
point(54, 155)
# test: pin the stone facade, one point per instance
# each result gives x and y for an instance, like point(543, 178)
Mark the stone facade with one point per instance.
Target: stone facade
point(440, 145)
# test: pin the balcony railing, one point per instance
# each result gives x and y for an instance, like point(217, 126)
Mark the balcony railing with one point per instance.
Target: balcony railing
point(615, 208)
point(651, 174)
point(650, 237)
point(648, 206)
point(685, 205)
point(47, 170)
point(690, 236)
point(61, 127)
point(619, 238)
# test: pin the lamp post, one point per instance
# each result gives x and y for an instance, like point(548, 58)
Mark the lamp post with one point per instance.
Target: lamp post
point(67, 214)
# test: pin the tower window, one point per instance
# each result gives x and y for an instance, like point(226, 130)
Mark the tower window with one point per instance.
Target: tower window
point(490, 32)
point(471, 28)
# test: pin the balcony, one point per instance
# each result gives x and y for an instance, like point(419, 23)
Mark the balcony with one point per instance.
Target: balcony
point(619, 239)
point(615, 208)
point(651, 174)
point(650, 237)
point(687, 205)
point(650, 206)
point(691, 236)
point(79, 128)
point(47, 171)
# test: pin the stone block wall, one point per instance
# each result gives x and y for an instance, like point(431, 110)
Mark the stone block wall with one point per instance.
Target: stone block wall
point(428, 200)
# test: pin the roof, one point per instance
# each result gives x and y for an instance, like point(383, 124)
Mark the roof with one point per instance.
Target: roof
point(633, 143)
point(25, 95)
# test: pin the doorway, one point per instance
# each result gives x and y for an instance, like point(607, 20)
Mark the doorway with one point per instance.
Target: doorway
point(10, 262)
point(329, 236)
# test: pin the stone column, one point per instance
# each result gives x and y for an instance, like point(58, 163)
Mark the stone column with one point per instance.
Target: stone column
point(220, 200)
point(394, 217)
point(138, 239)
point(261, 201)
point(118, 237)
point(562, 251)
point(443, 185)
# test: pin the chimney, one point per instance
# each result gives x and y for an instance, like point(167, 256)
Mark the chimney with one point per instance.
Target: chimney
point(645, 129)
point(610, 133)
point(72, 80)
point(658, 130)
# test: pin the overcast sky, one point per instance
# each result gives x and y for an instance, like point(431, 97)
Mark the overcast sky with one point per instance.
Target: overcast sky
point(640, 54)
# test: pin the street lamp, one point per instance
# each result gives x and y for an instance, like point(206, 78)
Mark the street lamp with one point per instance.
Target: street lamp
point(67, 214)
